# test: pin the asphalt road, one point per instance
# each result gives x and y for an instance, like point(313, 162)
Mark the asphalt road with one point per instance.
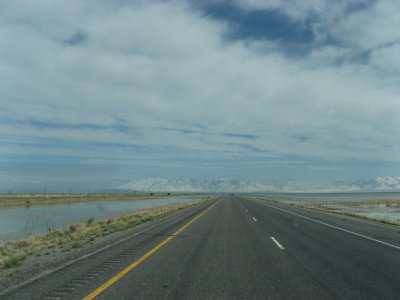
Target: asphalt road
point(238, 248)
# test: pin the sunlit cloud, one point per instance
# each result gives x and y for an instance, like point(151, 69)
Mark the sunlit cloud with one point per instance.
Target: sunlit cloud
point(175, 82)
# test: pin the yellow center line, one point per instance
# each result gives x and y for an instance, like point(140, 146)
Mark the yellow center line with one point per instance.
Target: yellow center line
point(111, 281)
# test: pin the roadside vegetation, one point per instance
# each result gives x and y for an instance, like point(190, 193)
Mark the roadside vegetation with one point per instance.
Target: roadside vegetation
point(334, 207)
point(13, 253)
point(388, 203)
point(35, 199)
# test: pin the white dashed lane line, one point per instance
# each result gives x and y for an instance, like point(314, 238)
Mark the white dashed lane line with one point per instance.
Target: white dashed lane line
point(335, 227)
point(277, 243)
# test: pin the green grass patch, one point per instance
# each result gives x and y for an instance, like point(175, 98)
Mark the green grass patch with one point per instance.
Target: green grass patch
point(76, 245)
point(13, 262)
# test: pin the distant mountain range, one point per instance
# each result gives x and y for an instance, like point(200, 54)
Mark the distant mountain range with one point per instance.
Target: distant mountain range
point(386, 183)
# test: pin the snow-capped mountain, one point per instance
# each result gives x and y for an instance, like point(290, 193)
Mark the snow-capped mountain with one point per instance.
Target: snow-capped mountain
point(162, 185)
point(386, 183)
point(191, 185)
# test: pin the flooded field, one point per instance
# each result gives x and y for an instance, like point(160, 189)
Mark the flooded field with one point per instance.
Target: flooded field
point(21, 222)
point(375, 205)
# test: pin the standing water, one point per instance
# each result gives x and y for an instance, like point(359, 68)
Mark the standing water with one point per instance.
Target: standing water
point(19, 223)
point(374, 205)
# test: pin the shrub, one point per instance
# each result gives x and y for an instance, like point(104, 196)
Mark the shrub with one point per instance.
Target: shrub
point(76, 245)
point(13, 262)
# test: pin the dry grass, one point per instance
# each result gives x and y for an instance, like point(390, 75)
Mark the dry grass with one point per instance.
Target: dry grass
point(18, 200)
point(390, 203)
point(12, 253)
point(350, 214)
point(322, 204)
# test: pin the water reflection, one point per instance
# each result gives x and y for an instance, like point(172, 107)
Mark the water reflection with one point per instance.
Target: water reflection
point(18, 223)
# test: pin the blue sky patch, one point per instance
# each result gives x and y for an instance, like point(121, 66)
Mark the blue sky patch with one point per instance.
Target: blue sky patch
point(76, 39)
point(266, 24)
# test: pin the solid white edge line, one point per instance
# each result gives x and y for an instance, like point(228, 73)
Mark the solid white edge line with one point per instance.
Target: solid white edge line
point(277, 243)
point(333, 226)
point(255, 220)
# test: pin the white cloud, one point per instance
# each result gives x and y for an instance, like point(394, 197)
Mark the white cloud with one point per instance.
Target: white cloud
point(162, 64)
point(325, 56)
point(360, 25)
point(369, 28)
point(384, 59)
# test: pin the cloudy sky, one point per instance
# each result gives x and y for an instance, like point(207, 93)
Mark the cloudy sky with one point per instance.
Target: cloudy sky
point(95, 94)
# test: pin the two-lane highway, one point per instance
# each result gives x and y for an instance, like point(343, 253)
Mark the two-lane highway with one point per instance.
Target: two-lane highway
point(239, 248)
